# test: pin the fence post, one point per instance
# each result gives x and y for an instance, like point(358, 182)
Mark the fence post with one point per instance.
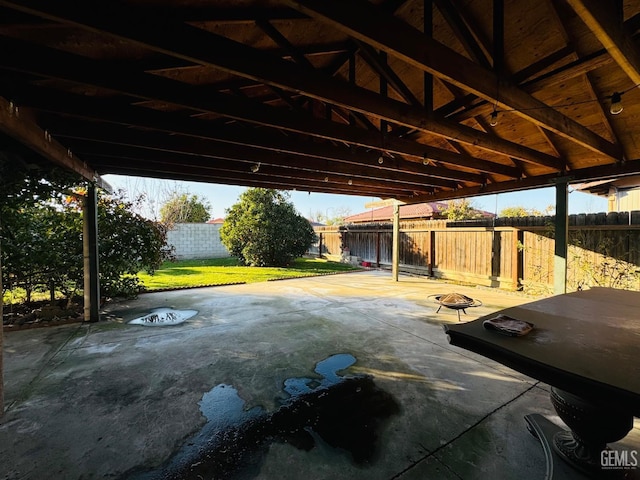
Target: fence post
point(496, 253)
point(320, 245)
point(431, 248)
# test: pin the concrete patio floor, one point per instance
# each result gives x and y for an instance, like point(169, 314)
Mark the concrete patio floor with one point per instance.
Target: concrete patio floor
point(113, 400)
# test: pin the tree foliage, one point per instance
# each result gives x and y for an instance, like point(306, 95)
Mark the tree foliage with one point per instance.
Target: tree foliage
point(520, 211)
point(332, 216)
point(127, 244)
point(462, 209)
point(41, 234)
point(43, 250)
point(184, 208)
point(264, 229)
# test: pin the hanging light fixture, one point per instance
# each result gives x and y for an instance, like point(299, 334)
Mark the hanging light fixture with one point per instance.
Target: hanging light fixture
point(493, 119)
point(350, 182)
point(425, 160)
point(381, 159)
point(616, 103)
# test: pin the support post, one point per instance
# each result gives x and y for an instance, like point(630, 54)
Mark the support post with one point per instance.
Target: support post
point(396, 242)
point(90, 252)
point(320, 246)
point(561, 238)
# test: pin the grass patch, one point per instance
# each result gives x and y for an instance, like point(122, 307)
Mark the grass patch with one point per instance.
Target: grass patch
point(224, 271)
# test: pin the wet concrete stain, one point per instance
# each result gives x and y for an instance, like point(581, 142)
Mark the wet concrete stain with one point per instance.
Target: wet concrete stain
point(162, 317)
point(345, 412)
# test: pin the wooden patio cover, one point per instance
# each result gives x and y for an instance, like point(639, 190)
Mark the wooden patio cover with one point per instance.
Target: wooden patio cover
point(383, 98)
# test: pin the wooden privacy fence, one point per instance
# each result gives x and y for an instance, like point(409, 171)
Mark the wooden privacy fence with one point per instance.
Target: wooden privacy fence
point(514, 253)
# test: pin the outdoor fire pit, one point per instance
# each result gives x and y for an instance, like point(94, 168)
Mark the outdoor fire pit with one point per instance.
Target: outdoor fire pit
point(455, 301)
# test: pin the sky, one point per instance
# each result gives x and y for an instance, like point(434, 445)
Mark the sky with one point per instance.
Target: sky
point(309, 205)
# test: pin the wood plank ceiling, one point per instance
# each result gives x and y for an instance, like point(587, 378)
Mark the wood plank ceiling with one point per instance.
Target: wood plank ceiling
point(384, 98)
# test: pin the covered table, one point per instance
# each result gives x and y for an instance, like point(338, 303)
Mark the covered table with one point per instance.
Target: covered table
point(586, 345)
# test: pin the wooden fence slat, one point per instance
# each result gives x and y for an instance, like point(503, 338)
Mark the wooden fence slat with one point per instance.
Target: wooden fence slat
point(604, 250)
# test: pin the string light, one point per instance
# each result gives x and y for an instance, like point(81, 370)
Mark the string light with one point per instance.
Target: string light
point(380, 159)
point(615, 107)
point(255, 168)
point(616, 103)
point(493, 119)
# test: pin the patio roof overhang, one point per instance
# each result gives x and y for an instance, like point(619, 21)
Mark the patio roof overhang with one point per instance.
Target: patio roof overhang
point(384, 98)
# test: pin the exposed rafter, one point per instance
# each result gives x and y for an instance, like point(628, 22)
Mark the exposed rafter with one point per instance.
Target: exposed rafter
point(608, 28)
point(359, 18)
point(18, 126)
point(58, 65)
point(205, 48)
point(384, 98)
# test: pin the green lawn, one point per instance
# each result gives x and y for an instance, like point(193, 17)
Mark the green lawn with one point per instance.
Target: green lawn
point(223, 271)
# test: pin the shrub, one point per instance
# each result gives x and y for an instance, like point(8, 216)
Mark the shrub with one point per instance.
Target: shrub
point(264, 229)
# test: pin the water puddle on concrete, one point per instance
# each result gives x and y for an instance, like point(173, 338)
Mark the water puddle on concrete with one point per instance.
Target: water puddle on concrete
point(345, 412)
point(163, 317)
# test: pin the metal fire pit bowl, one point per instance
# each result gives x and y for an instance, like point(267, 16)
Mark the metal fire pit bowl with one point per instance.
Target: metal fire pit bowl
point(455, 301)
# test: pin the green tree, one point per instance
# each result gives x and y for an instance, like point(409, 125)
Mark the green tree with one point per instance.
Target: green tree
point(332, 216)
point(184, 208)
point(43, 250)
point(127, 244)
point(520, 211)
point(41, 234)
point(461, 209)
point(27, 205)
point(20, 184)
point(264, 229)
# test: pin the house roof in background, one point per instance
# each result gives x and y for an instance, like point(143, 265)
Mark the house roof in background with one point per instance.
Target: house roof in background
point(602, 187)
point(385, 214)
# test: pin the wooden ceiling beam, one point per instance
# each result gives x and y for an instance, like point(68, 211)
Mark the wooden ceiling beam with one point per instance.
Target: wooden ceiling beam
point(558, 75)
point(462, 31)
point(608, 28)
point(247, 14)
point(275, 35)
point(586, 77)
point(106, 111)
point(613, 170)
point(383, 69)
point(472, 101)
point(153, 168)
point(205, 48)
point(115, 135)
point(206, 166)
point(361, 20)
point(20, 127)
point(57, 64)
